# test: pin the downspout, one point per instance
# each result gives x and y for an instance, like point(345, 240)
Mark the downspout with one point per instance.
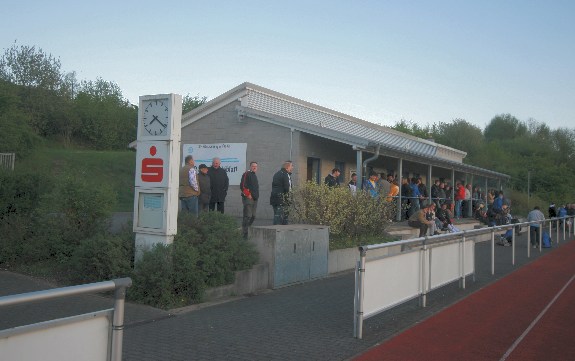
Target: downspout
point(365, 162)
point(291, 144)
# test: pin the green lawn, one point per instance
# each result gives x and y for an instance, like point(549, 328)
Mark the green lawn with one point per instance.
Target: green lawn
point(115, 168)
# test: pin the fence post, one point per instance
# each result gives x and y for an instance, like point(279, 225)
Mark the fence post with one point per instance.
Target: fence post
point(359, 313)
point(424, 255)
point(118, 319)
point(492, 251)
point(529, 240)
point(541, 226)
point(462, 259)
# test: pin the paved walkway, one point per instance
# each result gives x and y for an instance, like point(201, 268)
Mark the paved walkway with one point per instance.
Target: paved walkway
point(311, 321)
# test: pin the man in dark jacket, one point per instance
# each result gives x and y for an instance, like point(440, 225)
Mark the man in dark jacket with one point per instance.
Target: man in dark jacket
point(219, 184)
point(332, 180)
point(205, 188)
point(250, 194)
point(281, 185)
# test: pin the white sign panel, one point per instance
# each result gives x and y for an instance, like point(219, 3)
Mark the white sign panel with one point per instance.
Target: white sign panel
point(232, 155)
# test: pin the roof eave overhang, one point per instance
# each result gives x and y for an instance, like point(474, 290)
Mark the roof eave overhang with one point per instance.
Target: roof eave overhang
point(406, 154)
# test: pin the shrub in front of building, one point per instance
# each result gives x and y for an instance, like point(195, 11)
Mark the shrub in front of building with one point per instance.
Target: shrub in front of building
point(353, 219)
point(206, 252)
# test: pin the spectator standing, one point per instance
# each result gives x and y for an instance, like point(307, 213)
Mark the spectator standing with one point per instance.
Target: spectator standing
point(459, 197)
point(435, 193)
point(206, 189)
point(189, 189)
point(219, 184)
point(281, 186)
point(353, 183)
point(441, 195)
point(393, 191)
point(467, 205)
point(332, 180)
point(250, 194)
point(449, 198)
point(552, 212)
point(405, 191)
point(414, 197)
point(370, 185)
point(422, 192)
point(384, 184)
point(535, 215)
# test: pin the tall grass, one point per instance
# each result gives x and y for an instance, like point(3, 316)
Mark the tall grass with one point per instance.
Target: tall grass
point(113, 168)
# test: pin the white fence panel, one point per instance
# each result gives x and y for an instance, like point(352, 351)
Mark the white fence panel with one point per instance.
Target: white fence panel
point(83, 338)
point(443, 265)
point(390, 281)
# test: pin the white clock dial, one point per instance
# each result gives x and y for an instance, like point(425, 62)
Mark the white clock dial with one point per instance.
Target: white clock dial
point(155, 117)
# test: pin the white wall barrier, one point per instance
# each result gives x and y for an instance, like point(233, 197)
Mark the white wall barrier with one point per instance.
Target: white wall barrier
point(428, 263)
point(95, 336)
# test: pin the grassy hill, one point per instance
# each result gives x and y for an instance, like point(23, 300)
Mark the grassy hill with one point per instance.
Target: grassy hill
point(114, 168)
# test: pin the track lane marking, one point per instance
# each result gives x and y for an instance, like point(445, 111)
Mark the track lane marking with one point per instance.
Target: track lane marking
point(536, 320)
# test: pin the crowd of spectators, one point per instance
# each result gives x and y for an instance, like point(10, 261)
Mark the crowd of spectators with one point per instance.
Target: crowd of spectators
point(434, 209)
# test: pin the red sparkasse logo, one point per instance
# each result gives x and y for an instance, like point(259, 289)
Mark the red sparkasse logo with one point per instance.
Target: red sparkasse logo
point(152, 168)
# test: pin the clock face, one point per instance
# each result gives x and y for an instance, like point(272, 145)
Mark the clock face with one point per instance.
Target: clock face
point(155, 117)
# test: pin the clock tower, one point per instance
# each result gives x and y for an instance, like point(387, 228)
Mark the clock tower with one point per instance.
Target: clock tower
point(157, 166)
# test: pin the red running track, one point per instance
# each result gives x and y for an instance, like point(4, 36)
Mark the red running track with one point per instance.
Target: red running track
point(528, 315)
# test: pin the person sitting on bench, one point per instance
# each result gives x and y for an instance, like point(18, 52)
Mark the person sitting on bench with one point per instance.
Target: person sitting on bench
point(419, 220)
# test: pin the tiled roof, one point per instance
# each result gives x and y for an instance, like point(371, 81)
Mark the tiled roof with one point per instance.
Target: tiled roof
point(289, 111)
point(373, 133)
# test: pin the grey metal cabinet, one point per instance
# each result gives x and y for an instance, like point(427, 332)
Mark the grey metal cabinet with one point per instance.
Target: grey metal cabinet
point(295, 253)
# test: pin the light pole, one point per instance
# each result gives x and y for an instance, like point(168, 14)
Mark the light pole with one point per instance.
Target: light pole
point(528, 187)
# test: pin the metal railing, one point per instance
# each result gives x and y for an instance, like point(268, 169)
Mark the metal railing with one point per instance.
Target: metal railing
point(118, 285)
point(7, 160)
point(461, 263)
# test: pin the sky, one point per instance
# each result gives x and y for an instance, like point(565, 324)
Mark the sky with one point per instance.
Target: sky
point(382, 61)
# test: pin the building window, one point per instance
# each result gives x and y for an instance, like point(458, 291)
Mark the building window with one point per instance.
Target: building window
point(341, 167)
point(313, 170)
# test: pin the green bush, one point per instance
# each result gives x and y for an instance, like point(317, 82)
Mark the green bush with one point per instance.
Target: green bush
point(19, 192)
point(73, 211)
point(100, 258)
point(349, 216)
point(205, 253)
point(152, 279)
point(14, 230)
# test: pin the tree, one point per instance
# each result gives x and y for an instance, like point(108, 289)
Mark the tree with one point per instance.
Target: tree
point(191, 102)
point(41, 81)
point(30, 67)
point(16, 136)
point(412, 128)
point(460, 134)
point(108, 121)
point(503, 127)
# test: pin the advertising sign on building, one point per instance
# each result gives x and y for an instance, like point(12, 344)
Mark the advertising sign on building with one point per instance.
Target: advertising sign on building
point(232, 155)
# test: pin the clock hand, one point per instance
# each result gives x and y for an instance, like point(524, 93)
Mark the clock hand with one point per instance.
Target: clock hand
point(155, 119)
